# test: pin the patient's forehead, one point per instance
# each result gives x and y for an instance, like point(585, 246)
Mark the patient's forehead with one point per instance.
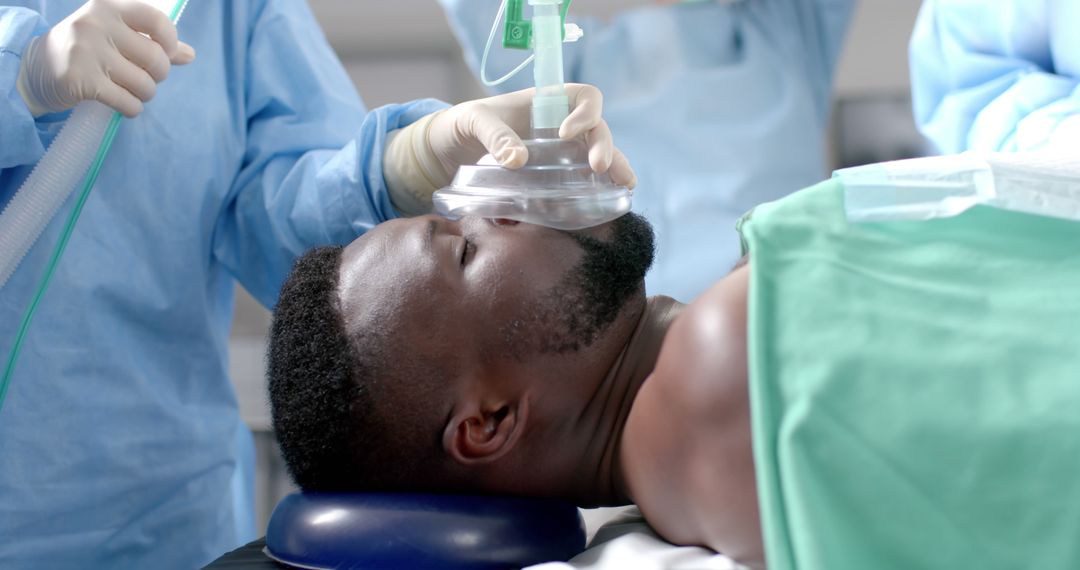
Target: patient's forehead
point(386, 276)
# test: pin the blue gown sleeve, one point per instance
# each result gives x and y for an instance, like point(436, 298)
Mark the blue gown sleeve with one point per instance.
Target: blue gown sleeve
point(312, 171)
point(983, 78)
point(20, 143)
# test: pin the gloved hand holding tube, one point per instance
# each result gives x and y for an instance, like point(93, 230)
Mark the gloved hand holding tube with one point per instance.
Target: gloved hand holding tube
point(112, 51)
point(424, 156)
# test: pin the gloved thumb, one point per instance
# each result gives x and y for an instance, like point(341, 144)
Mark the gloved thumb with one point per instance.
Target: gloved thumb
point(498, 139)
point(509, 150)
point(185, 54)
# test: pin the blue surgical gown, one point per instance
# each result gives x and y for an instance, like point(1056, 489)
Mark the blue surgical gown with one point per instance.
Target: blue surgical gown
point(121, 445)
point(718, 106)
point(998, 76)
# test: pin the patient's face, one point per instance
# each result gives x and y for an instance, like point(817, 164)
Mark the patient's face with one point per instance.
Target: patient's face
point(491, 289)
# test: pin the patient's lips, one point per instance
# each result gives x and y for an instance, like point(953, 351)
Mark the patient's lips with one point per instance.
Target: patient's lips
point(503, 222)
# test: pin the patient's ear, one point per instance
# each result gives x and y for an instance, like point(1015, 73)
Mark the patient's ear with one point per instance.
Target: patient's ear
point(481, 433)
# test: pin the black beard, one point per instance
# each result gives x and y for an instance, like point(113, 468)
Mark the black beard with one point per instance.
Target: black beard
point(590, 296)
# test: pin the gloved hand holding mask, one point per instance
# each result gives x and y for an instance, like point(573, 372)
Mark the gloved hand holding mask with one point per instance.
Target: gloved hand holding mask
point(101, 52)
point(424, 156)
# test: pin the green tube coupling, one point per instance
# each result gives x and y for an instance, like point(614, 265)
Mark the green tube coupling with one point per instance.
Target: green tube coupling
point(517, 33)
point(550, 104)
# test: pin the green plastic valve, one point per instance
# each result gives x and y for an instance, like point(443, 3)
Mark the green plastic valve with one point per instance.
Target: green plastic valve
point(518, 31)
point(517, 34)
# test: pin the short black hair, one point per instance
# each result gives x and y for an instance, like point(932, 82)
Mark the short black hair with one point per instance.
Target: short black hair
point(322, 380)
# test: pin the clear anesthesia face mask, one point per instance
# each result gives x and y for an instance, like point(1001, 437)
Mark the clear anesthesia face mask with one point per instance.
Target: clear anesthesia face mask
point(556, 187)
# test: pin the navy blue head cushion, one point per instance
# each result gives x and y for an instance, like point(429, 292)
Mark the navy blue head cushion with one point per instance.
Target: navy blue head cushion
point(381, 530)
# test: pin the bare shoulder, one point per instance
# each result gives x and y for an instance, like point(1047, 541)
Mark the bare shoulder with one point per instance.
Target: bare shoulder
point(703, 360)
point(687, 444)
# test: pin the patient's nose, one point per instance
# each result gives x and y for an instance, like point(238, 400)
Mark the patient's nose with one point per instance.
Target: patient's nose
point(443, 225)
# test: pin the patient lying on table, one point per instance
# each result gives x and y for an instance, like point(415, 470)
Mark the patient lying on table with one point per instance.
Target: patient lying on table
point(911, 385)
point(488, 356)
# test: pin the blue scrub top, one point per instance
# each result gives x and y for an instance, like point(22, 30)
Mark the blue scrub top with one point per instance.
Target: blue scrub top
point(998, 76)
point(121, 445)
point(719, 106)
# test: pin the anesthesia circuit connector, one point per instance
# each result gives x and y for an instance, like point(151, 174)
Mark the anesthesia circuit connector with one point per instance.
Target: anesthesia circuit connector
point(556, 187)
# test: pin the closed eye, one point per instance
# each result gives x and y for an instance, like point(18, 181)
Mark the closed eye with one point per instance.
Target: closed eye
point(467, 251)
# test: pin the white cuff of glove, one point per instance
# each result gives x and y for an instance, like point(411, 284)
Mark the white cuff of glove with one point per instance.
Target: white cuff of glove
point(411, 170)
point(22, 84)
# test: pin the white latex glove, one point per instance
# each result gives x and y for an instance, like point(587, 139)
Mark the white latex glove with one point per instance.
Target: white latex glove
point(424, 156)
point(100, 52)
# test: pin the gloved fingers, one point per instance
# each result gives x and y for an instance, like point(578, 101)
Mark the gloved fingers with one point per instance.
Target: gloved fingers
point(146, 19)
point(143, 52)
point(498, 137)
point(601, 147)
point(185, 54)
point(134, 79)
point(516, 110)
point(119, 98)
point(621, 172)
point(587, 104)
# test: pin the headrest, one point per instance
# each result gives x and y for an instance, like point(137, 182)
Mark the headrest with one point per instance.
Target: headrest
point(380, 530)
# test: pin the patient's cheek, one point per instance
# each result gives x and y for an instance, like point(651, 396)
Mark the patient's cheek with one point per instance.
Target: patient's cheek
point(509, 273)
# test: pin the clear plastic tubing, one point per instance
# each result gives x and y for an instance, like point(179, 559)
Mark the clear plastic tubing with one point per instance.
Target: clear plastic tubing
point(72, 162)
point(84, 138)
point(53, 179)
point(550, 104)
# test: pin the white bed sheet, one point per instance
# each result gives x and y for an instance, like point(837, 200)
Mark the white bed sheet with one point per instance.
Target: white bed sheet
point(626, 542)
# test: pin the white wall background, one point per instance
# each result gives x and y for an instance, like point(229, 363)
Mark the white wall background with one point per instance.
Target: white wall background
point(398, 50)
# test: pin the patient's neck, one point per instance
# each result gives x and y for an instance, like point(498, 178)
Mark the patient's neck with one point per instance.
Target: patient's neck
point(610, 404)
